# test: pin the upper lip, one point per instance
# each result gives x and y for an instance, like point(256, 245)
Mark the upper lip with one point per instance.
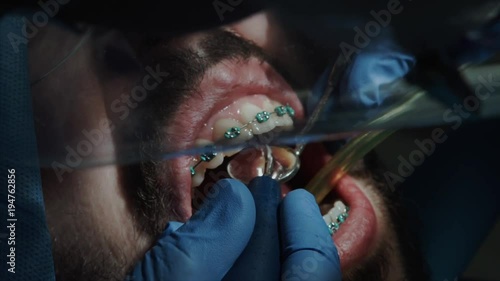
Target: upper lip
point(221, 84)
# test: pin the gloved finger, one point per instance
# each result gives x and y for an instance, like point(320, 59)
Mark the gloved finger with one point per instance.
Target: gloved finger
point(171, 227)
point(382, 62)
point(260, 260)
point(308, 252)
point(207, 245)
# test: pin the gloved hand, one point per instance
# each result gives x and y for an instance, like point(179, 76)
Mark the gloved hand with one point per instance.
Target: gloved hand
point(261, 258)
point(222, 233)
point(206, 246)
point(382, 61)
point(307, 250)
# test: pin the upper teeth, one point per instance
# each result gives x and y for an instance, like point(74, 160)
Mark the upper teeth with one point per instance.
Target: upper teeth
point(250, 119)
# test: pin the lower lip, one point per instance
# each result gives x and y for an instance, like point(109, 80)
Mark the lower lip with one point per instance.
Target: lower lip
point(356, 237)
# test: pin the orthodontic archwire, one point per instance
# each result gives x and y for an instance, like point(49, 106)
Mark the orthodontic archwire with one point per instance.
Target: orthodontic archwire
point(334, 226)
point(235, 131)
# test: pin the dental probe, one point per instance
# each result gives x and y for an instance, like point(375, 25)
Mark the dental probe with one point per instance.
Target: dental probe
point(281, 172)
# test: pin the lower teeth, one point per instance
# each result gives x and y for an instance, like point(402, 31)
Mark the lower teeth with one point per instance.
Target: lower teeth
point(336, 216)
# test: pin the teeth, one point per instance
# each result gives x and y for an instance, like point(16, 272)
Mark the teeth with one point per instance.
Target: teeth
point(282, 121)
point(249, 120)
point(340, 206)
point(336, 216)
point(222, 125)
point(216, 161)
point(249, 111)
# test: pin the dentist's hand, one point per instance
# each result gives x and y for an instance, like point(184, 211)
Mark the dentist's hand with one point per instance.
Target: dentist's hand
point(221, 238)
point(206, 246)
point(307, 251)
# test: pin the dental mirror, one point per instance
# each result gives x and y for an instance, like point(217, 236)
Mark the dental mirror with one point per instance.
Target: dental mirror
point(280, 163)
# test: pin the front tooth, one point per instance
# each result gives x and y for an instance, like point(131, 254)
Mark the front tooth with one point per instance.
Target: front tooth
point(268, 105)
point(222, 125)
point(246, 134)
point(249, 111)
point(281, 121)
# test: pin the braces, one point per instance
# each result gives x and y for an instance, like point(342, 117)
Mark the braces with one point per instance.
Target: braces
point(205, 157)
point(234, 132)
point(334, 226)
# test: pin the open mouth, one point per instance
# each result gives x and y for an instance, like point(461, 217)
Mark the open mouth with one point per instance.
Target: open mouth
point(240, 100)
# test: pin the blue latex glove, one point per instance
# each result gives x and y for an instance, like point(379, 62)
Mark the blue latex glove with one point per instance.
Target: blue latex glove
point(381, 62)
point(219, 237)
point(361, 86)
point(206, 246)
point(261, 258)
point(307, 249)
point(308, 252)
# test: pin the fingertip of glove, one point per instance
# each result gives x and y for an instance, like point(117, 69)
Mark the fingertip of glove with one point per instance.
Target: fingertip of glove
point(233, 198)
point(228, 208)
point(300, 195)
point(232, 192)
point(171, 227)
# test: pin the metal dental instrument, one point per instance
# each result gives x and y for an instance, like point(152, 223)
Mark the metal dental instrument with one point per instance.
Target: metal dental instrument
point(282, 163)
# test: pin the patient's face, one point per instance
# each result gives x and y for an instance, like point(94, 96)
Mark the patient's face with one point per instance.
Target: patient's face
point(125, 97)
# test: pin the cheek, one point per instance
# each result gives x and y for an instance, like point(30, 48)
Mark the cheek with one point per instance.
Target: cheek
point(91, 194)
point(90, 202)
